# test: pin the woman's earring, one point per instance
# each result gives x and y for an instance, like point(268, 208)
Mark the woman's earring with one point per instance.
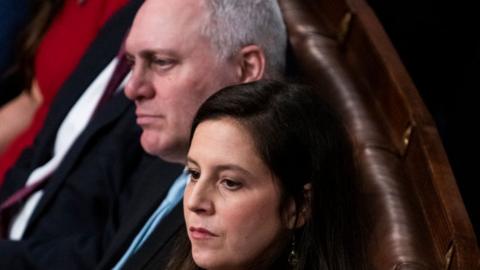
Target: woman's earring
point(293, 256)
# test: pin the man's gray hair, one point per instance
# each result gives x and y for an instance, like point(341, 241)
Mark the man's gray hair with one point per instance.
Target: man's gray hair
point(233, 24)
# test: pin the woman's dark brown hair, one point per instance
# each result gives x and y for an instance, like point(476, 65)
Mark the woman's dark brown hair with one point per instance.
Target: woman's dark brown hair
point(301, 141)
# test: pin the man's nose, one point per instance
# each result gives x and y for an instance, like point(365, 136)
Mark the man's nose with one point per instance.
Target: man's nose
point(138, 86)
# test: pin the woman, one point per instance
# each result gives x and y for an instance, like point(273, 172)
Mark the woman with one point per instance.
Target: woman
point(271, 184)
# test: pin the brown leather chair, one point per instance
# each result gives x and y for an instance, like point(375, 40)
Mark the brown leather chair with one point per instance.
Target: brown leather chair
point(415, 213)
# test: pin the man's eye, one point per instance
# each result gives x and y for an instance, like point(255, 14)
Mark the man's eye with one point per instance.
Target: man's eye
point(130, 61)
point(231, 184)
point(162, 62)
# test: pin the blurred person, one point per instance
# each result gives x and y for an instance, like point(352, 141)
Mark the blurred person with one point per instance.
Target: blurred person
point(52, 44)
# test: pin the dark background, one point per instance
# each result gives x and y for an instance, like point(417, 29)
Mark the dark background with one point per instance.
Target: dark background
point(438, 42)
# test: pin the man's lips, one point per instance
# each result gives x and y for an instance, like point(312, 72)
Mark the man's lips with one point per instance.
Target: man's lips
point(200, 233)
point(144, 119)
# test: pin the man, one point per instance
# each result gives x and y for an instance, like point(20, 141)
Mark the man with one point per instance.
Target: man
point(181, 53)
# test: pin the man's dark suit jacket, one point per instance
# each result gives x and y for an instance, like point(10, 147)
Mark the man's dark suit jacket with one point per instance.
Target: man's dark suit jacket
point(87, 198)
point(148, 190)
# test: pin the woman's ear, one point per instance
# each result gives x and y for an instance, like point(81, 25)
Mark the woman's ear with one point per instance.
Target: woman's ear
point(296, 219)
point(250, 64)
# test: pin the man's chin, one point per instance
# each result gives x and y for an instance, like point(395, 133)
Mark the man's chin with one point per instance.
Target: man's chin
point(160, 147)
point(150, 143)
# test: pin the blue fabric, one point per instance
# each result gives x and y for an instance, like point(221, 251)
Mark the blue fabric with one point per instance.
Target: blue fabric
point(175, 194)
point(13, 16)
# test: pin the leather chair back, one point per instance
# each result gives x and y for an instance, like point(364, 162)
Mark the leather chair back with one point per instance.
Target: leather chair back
point(414, 211)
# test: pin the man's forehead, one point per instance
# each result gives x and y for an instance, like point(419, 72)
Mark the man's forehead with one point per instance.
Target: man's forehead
point(166, 19)
point(175, 10)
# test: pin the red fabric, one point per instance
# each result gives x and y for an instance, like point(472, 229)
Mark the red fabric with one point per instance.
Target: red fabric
point(61, 49)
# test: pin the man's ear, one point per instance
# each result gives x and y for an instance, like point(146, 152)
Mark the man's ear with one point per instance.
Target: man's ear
point(298, 218)
point(250, 64)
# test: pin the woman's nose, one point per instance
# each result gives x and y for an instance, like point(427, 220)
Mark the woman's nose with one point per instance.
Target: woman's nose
point(198, 198)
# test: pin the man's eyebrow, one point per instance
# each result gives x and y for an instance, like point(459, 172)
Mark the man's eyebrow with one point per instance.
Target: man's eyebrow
point(129, 55)
point(149, 53)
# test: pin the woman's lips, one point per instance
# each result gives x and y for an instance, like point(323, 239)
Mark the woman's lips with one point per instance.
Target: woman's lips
point(201, 233)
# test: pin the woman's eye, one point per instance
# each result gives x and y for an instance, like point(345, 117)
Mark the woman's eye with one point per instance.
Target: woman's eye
point(194, 175)
point(231, 184)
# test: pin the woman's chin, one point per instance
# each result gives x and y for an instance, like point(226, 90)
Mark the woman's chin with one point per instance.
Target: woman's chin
point(206, 260)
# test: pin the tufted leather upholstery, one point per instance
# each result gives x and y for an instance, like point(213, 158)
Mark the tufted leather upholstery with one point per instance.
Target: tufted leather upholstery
point(415, 214)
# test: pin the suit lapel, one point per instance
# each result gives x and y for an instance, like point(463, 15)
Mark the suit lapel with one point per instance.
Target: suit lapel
point(154, 182)
point(70, 92)
point(115, 108)
point(112, 110)
point(155, 245)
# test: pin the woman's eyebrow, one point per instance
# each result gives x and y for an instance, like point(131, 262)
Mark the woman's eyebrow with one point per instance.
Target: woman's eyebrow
point(233, 167)
point(191, 160)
